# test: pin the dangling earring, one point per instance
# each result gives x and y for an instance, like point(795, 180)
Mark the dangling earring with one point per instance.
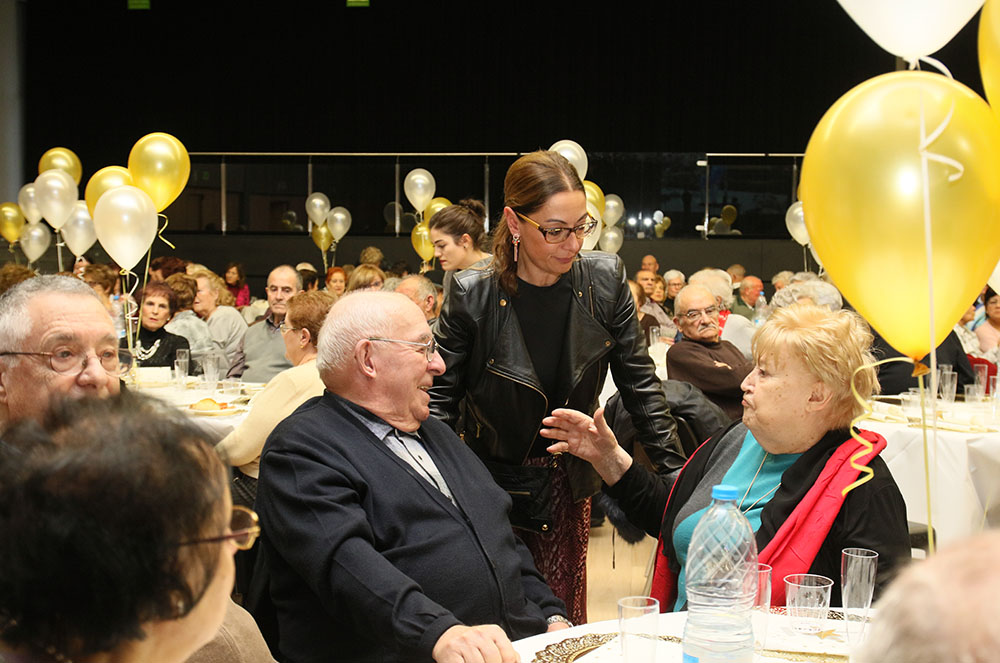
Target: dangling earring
point(515, 240)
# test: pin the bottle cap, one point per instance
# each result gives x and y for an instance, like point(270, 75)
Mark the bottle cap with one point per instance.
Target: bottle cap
point(724, 492)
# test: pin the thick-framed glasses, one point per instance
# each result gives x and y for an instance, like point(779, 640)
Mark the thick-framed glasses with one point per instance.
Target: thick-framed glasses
point(556, 235)
point(114, 361)
point(696, 313)
point(244, 528)
point(429, 348)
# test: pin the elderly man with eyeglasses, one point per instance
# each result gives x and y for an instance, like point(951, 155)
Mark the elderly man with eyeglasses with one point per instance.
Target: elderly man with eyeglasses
point(715, 366)
point(384, 537)
point(57, 340)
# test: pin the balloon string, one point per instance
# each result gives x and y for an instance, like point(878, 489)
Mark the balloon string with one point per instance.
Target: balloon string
point(130, 338)
point(159, 233)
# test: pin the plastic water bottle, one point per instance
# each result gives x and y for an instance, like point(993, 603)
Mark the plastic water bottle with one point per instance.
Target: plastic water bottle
point(760, 310)
point(721, 578)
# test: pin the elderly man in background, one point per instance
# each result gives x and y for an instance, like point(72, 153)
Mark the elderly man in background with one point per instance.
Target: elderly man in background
point(751, 290)
point(263, 346)
point(650, 264)
point(700, 358)
point(736, 273)
point(421, 292)
point(941, 609)
point(734, 328)
point(58, 340)
point(647, 279)
point(384, 535)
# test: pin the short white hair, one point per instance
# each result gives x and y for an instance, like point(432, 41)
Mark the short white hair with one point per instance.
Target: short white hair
point(357, 315)
point(718, 282)
point(802, 277)
point(782, 277)
point(820, 292)
point(425, 287)
point(673, 274)
point(15, 323)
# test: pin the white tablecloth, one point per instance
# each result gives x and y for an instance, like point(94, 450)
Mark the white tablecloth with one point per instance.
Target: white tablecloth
point(779, 637)
point(965, 477)
point(215, 427)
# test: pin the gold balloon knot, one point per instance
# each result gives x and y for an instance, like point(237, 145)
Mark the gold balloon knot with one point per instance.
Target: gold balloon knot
point(920, 369)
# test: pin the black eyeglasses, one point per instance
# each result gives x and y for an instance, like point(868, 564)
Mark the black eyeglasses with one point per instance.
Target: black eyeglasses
point(114, 361)
point(556, 235)
point(430, 347)
point(244, 528)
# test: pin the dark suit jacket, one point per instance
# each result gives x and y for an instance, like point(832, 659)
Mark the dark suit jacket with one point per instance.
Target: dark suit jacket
point(367, 561)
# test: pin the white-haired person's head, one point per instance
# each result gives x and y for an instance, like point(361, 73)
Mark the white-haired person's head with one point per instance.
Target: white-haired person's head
point(782, 279)
point(802, 277)
point(941, 609)
point(718, 282)
point(815, 292)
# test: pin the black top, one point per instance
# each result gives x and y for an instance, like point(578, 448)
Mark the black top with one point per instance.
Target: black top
point(896, 377)
point(542, 314)
point(165, 352)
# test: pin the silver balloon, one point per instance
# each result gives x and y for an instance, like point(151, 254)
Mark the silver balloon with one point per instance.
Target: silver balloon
point(419, 187)
point(614, 209)
point(28, 203)
point(317, 207)
point(574, 154)
point(35, 241)
point(125, 221)
point(339, 222)
point(78, 231)
point(657, 216)
point(612, 239)
point(56, 193)
point(795, 221)
point(590, 241)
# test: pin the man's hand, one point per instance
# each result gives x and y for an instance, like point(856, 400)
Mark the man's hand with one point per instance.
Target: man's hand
point(556, 626)
point(474, 644)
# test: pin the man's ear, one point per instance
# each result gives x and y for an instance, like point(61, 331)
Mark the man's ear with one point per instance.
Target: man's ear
point(365, 356)
point(4, 376)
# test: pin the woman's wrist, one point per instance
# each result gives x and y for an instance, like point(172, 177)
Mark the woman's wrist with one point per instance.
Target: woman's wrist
point(614, 465)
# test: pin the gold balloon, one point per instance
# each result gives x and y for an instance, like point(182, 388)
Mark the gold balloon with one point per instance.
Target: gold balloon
point(106, 178)
point(421, 239)
point(729, 214)
point(322, 237)
point(863, 199)
point(435, 206)
point(594, 195)
point(160, 166)
point(11, 222)
point(989, 52)
point(62, 158)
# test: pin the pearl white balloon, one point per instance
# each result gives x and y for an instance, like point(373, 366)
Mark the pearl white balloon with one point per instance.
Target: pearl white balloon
point(339, 222)
point(574, 154)
point(125, 222)
point(56, 192)
point(911, 28)
point(590, 241)
point(419, 187)
point(612, 239)
point(28, 203)
point(35, 241)
point(614, 209)
point(78, 231)
point(795, 221)
point(317, 207)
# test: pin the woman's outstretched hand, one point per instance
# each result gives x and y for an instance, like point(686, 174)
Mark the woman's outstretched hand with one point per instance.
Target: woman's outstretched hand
point(589, 439)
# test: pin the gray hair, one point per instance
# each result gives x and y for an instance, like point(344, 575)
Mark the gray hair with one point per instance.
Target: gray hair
point(718, 282)
point(390, 283)
point(295, 272)
point(673, 274)
point(356, 316)
point(425, 287)
point(687, 291)
point(783, 277)
point(802, 277)
point(821, 293)
point(15, 323)
point(939, 609)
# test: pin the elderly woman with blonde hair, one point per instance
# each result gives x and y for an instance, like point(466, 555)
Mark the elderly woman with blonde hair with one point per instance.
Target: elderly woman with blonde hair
point(790, 458)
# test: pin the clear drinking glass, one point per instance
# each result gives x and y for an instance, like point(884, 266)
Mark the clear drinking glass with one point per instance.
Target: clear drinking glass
point(949, 381)
point(857, 584)
point(761, 606)
point(180, 374)
point(973, 394)
point(638, 628)
point(807, 601)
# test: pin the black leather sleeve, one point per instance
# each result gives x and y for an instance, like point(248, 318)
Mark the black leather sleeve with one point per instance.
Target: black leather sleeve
point(455, 332)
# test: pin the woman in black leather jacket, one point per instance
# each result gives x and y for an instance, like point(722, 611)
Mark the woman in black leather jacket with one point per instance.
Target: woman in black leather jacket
point(538, 330)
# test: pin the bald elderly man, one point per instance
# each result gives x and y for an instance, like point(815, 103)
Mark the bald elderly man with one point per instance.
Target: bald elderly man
point(263, 345)
point(386, 538)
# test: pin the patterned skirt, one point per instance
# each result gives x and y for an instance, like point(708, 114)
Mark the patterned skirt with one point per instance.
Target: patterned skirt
point(561, 554)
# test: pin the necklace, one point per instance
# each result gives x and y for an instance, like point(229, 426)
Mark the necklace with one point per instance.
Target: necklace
point(142, 354)
point(768, 493)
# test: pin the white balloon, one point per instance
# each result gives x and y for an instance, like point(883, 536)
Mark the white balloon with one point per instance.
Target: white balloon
point(317, 207)
point(419, 186)
point(574, 154)
point(911, 28)
point(612, 239)
point(28, 203)
point(614, 209)
point(590, 241)
point(812, 250)
point(795, 221)
point(125, 222)
point(78, 231)
point(35, 241)
point(339, 222)
point(658, 216)
point(56, 193)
